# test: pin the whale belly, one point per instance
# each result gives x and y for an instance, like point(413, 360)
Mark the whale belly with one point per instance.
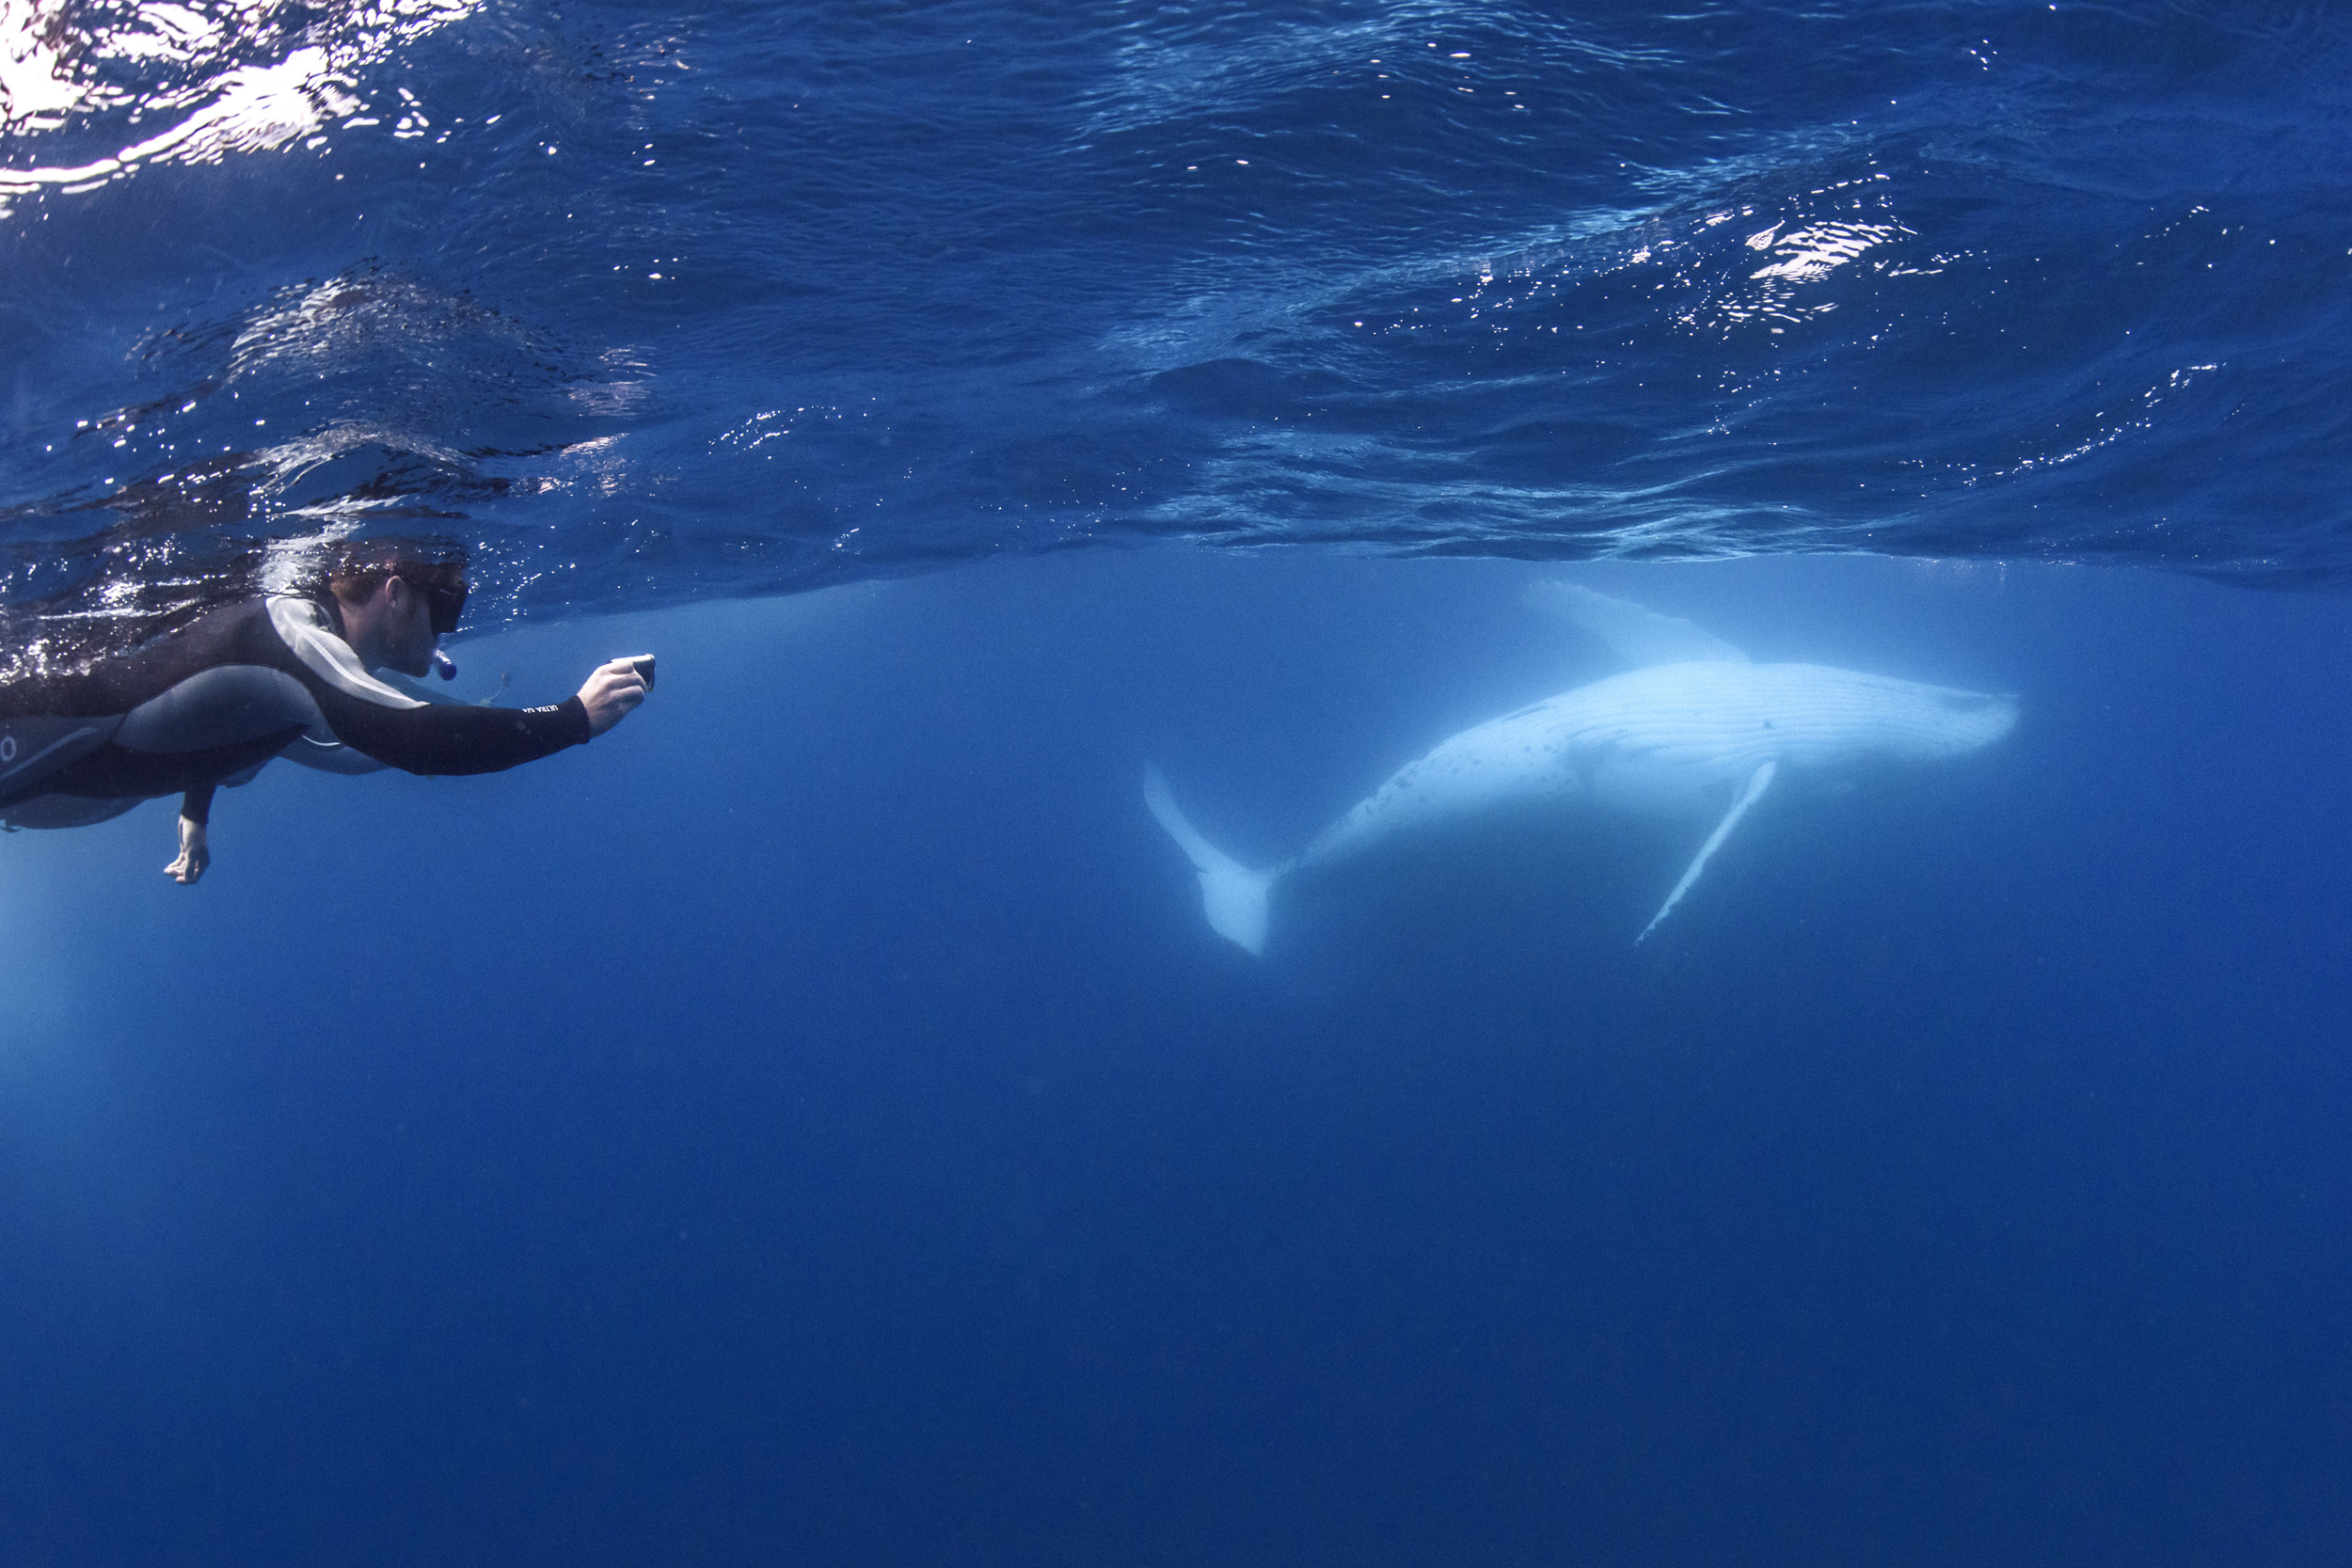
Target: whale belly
point(1503, 762)
point(1668, 740)
point(1665, 741)
point(1647, 784)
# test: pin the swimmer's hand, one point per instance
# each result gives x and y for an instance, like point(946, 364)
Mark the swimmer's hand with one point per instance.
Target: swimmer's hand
point(614, 690)
point(196, 855)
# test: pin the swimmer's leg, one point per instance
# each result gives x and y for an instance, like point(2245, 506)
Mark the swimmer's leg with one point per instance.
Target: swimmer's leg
point(63, 810)
point(213, 709)
point(221, 706)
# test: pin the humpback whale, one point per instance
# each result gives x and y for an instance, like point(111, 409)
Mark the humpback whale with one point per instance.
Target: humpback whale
point(1696, 727)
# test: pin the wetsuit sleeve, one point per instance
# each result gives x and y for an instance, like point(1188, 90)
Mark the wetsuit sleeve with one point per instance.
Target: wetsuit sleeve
point(373, 718)
point(196, 802)
point(447, 738)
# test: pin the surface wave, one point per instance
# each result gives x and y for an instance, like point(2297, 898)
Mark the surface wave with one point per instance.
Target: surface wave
point(650, 310)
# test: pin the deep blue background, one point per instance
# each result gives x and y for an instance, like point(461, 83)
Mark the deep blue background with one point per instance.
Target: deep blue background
point(813, 1123)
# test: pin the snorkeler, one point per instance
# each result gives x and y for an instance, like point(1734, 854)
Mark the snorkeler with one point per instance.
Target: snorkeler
point(284, 674)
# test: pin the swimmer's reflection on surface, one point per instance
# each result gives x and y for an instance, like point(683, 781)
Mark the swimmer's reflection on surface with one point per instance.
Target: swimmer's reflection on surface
point(287, 671)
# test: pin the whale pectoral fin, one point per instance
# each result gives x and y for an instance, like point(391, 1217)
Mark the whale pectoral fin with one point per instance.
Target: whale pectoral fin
point(1748, 797)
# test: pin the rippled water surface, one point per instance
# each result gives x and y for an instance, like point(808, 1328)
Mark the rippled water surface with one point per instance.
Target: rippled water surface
point(657, 306)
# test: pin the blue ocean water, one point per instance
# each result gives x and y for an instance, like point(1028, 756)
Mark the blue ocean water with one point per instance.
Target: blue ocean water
point(813, 1124)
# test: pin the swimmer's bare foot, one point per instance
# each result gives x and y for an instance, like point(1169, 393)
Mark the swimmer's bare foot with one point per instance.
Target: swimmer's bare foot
point(196, 855)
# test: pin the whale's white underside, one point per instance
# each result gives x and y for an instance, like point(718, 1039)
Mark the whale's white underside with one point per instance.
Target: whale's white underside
point(1665, 740)
point(1705, 735)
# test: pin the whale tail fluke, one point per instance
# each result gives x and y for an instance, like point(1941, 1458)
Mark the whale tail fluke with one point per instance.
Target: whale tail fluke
point(1234, 897)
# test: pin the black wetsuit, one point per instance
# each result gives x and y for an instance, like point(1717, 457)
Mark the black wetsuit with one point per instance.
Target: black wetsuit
point(210, 702)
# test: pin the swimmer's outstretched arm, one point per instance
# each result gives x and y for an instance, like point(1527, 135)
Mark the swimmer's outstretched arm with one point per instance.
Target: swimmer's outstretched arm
point(443, 738)
point(195, 852)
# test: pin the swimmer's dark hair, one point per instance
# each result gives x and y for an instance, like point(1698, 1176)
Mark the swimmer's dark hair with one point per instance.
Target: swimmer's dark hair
point(434, 568)
point(365, 565)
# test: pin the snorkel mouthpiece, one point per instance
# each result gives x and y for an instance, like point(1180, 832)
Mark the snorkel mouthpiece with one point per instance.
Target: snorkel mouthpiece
point(447, 665)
